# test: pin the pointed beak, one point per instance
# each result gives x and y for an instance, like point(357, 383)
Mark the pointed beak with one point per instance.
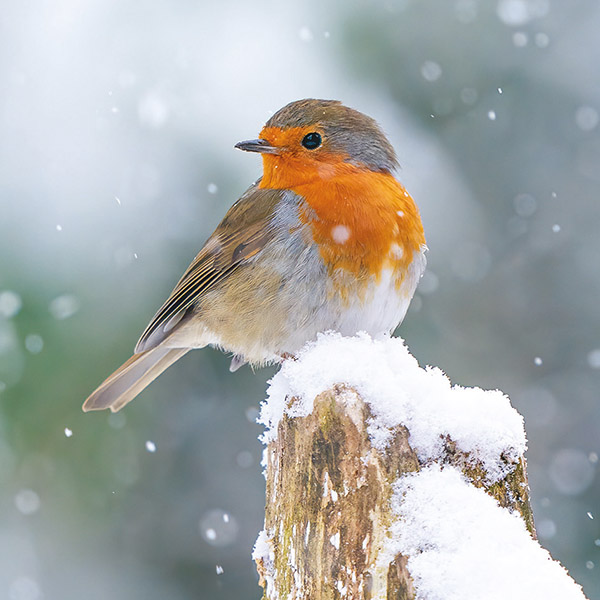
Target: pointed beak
point(259, 145)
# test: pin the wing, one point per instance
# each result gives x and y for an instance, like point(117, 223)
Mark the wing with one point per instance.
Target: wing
point(242, 234)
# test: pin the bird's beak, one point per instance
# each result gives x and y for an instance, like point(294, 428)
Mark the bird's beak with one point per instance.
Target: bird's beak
point(258, 145)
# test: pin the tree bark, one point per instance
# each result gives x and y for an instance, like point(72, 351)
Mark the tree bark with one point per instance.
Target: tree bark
point(328, 504)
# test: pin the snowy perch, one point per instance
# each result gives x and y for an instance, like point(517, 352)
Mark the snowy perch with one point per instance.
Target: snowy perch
point(385, 482)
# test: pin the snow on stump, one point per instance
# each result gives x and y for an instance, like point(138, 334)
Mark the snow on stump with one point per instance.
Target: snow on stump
point(386, 482)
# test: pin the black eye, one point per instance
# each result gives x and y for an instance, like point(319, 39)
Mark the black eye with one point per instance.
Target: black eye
point(311, 141)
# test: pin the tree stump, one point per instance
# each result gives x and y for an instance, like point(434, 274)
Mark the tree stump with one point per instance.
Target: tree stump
point(328, 503)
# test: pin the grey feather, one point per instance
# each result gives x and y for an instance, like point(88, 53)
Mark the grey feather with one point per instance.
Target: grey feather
point(132, 377)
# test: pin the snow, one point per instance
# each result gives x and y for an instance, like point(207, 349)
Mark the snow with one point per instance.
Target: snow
point(63, 307)
point(545, 529)
point(398, 391)
point(263, 551)
point(334, 540)
point(10, 304)
point(340, 234)
point(262, 548)
point(306, 35)
point(34, 343)
point(218, 528)
point(593, 358)
point(520, 39)
point(571, 471)
point(27, 502)
point(520, 12)
point(463, 545)
point(525, 205)
point(431, 71)
point(586, 118)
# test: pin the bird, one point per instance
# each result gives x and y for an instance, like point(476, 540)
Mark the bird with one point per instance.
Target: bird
point(327, 239)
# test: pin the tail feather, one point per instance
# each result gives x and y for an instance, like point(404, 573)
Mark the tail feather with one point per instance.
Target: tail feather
point(131, 378)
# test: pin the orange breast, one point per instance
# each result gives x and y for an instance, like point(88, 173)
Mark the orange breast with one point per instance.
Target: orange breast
point(363, 221)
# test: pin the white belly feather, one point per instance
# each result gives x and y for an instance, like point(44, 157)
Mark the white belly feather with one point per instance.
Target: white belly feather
point(384, 305)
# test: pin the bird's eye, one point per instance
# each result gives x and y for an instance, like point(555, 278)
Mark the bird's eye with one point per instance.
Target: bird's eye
point(311, 141)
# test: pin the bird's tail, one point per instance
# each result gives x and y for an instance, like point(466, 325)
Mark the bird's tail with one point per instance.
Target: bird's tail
point(131, 378)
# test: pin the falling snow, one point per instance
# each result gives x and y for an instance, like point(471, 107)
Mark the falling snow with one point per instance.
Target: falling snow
point(219, 528)
point(525, 205)
point(10, 304)
point(340, 234)
point(520, 12)
point(431, 71)
point(27, 502)
point(153, 110)
point(34, 343)
point(520, 39)
point(593, 358)
point(64, 306)
point(571, 471)
point(586, 118)
point(306, 35)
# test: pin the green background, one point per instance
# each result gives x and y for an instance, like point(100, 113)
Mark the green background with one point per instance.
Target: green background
point(117, 126)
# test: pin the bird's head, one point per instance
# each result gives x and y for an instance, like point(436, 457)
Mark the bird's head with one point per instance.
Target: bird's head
point(308, 140)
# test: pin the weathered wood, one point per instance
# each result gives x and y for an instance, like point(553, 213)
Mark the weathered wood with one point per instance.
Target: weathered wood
point(328, 504)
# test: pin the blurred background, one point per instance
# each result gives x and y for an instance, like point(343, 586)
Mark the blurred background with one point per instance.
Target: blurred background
point(117, 126)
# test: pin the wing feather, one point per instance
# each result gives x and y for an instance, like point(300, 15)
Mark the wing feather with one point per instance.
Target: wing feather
point(243, 233)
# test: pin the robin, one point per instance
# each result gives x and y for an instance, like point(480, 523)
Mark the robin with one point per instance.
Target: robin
point(326, 239)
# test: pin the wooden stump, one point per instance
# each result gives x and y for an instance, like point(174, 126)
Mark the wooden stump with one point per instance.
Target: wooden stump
point(328, 508)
